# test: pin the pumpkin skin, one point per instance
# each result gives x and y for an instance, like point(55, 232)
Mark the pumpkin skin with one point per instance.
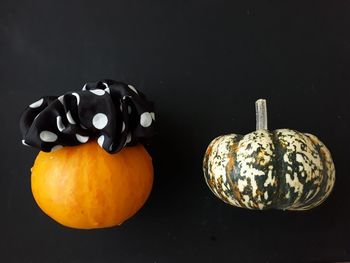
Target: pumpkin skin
point(282, 169)
point(85, 187)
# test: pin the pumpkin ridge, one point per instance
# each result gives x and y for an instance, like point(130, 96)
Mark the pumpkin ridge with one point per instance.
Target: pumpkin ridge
point(329, 163)
point(318, 191)
point(218, 183)
point(279, 200)
point(263, 201)
point(289, 179)
point(207, 167)
point(231, 169)
point(255, 171)
point(322, 194)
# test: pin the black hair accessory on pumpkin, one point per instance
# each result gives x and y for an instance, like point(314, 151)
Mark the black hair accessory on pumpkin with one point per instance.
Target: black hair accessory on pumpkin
point(115, 113)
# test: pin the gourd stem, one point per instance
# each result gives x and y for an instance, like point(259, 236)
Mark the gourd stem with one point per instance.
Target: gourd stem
point(261, 114)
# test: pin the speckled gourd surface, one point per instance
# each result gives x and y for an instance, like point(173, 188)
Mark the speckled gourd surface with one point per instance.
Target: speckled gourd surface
point(282, 169)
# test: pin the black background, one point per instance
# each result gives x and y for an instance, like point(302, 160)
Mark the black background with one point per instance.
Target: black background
point(204, 63)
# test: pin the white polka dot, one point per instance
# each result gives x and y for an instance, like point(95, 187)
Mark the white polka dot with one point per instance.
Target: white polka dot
point(47, 136)
point(37, 104)
point(57, 147)
point(100, 121)
point(108, 90)
point(84, 88)
point(59, 122)
point(98, 92)
point(106, 85)
point(146, 119)
point(133, 89)
point(60, 98)
point(101, 140)
point(70, 118)
point(123, 126)
point(77, 96)
point(24, 143)
point(129, 109)
point(81, 138)
point(153, 116)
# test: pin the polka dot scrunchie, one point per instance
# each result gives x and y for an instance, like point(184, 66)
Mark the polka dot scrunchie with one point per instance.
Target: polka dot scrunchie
point(114, 113)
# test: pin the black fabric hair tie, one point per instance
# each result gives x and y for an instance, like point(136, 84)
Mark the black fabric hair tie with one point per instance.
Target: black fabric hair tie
point(115, 113)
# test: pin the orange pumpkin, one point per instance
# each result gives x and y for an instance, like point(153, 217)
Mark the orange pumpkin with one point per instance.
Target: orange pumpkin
point(85, 187)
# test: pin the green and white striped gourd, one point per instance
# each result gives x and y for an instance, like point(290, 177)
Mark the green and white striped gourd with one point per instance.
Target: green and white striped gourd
point(282, 169)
